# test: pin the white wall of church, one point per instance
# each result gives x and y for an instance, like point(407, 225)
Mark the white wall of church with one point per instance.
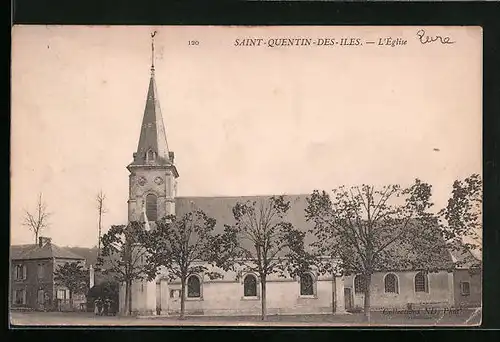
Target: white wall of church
point(440, 291)
point(226, 298)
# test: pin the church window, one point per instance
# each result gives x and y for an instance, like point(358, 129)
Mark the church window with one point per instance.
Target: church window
point(359, 284)
point(421, 282)
point(306, 285)
point(193, 287)
point(151, 207)
point(150, 156)
point(250, 286)
point(391, 283)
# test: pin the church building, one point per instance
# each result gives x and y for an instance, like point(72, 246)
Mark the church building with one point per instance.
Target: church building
point(152, 185)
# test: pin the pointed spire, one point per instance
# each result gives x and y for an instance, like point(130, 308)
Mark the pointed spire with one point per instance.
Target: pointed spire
point(152, 148)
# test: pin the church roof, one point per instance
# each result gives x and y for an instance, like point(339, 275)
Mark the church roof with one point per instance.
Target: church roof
point(48, 251)
point(463, 257)
point(153, 136)
point(220, 208)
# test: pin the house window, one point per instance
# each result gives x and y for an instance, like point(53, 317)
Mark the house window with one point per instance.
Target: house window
point(421, 282)
point(465, 288)
point(193, 287)
point(20, 297)
point(61, 294)
point(250, 286)
point(306, 285)
point(40, 296)
point(151, 207)
point(359, 284)
point(20, 272)
point(40, 271)
point(391, 283)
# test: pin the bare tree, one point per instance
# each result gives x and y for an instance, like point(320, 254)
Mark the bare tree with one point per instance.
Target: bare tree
point(366, 229)
point(179, 244)
point(261, 241)
point(122, 258)
point(38, 220)
point(101, 197)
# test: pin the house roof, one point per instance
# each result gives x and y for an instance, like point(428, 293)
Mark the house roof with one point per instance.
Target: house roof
point(48, 251)
point(220, 208)
point(89, 254)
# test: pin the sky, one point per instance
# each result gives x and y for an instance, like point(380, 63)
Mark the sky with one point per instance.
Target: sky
point(241, 120)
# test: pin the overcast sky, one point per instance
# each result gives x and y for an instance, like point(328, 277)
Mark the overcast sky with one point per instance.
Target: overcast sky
point(241, 120)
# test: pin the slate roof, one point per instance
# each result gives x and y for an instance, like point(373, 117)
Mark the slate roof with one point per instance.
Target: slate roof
point(220, 208)
point(48, 251)
point(464, 257)
point(89, 254)
point(153, 136)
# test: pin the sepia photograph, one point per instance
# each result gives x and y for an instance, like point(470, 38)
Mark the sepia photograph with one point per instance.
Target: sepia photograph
point(281, 176)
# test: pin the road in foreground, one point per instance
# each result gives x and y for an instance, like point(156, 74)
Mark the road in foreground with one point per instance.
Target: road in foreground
point(465, 317)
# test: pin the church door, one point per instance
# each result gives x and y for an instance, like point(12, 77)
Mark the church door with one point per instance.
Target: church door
point(348, 298)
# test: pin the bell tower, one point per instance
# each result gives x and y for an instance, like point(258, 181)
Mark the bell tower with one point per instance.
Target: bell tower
point(153, 175)
point(152, 186)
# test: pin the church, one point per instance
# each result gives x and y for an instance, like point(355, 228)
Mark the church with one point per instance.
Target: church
point(153, 186)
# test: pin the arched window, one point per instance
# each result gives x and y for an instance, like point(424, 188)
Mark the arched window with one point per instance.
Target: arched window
point(151, 156)
point(193, 287)
point(306, 285)
point(151, 207)
point(391, 283)
point(359, 284)
point(421, 282)
point(250, 286)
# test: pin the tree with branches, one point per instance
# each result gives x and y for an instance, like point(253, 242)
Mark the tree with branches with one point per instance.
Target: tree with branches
point(74, 277)
point(370, 230)
point(123, 257)
point(37, 221)
point(182, 245)
point(263, 242)
point(461, 219)
point(101, 210)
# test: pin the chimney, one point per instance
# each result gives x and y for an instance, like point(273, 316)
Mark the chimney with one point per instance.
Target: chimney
point(42, 241)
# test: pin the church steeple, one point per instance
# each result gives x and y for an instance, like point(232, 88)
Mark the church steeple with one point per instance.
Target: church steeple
point(152, 148)
point(152, 186)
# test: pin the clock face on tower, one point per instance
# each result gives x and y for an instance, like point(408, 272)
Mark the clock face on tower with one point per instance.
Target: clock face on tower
point(142, 181)
point(158, 180)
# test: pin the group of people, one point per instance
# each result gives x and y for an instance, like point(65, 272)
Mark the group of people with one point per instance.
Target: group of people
point(102, 307)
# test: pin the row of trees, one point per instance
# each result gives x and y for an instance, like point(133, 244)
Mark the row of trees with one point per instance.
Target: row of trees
point(361, 227)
